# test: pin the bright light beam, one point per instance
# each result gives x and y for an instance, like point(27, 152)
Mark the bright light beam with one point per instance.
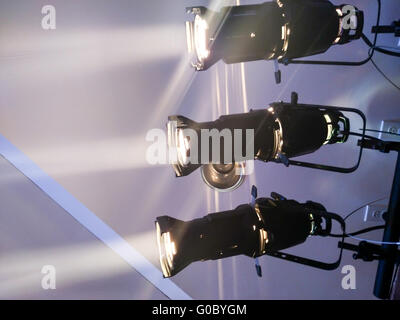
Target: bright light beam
point(79, 53)
point(122, 153)
point(77, 262)
point(89, 220)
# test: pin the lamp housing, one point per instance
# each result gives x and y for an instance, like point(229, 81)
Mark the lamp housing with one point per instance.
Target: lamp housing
point(276, 133)
point(282, 30)
point(271, 225)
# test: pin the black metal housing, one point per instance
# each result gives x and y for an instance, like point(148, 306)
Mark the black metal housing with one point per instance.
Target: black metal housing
point(282, 29)
point(235, 232)
point(304, 130)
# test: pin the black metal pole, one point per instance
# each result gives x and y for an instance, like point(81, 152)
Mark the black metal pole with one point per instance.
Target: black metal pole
point(393, 28)
point(383, 29)
point(385, 271)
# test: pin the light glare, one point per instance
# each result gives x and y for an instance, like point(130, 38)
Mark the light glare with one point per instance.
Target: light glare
point(200, 38)
point(182, 148)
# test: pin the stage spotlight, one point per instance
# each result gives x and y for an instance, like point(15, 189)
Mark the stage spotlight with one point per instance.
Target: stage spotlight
point(272, 224)
point(277, 133)
point(282, 30)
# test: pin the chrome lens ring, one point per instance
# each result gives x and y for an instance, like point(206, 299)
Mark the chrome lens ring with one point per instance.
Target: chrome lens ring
point(223, 177)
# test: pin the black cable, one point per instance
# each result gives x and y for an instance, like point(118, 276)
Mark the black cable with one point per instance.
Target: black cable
point(382, 50)
point(346, 235)
point(379, 49)
point(380, 131)
point(356, 233)
point(384, 75)
point(364, 205)
point(351, 133)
